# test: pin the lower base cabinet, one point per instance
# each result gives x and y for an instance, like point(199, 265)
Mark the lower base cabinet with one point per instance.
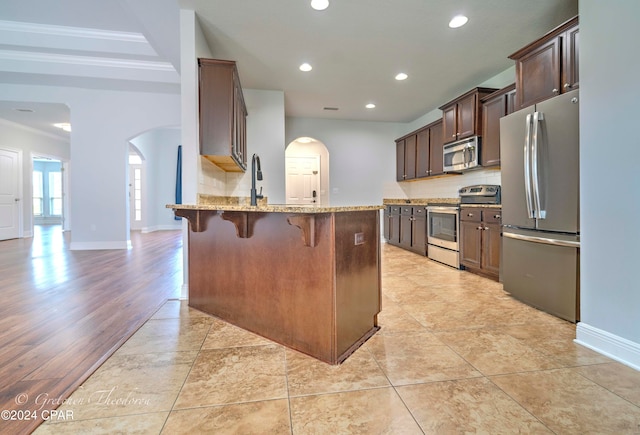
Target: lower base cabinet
point(480, 240)
point(406, 227)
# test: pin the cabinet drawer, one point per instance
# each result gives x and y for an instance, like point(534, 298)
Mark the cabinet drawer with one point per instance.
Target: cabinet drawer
point(471, 214)
point(394, 209)
point(490, 215)
point(406, 211)
point(419, 211)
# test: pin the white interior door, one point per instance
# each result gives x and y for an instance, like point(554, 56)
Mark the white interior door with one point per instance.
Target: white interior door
point(9, 195)
point(303, 180)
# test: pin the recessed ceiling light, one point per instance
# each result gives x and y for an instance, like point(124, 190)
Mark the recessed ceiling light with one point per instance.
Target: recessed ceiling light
point(305, 67)
point(401, 76)
point(370, 106)
point(458, 21)
point(63, 125)
point(319, 5)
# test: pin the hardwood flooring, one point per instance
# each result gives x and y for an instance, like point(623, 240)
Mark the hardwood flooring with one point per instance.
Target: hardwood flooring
point(63, 313)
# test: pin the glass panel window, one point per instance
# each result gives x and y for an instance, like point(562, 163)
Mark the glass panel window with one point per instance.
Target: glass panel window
point(38, 193)
point(55, 193)
point(137, 193)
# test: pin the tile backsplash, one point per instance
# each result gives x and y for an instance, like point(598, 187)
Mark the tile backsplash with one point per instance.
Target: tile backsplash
point(442, 187)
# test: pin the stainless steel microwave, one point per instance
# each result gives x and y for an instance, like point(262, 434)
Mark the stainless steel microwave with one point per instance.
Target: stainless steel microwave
point(461, 155)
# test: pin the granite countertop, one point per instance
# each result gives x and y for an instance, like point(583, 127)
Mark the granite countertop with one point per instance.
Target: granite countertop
point(498, 206)
point(275, 208)
point(434, 201)
point(420, 201)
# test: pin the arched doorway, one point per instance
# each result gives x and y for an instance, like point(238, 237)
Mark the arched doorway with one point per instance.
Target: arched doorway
point(307, 172)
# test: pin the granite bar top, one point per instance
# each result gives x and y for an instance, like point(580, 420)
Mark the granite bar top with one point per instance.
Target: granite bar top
point(275, 208)
point(498, 206)
point(420, 201)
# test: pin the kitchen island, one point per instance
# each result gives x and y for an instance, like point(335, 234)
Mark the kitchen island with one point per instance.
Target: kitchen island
point(307, 277)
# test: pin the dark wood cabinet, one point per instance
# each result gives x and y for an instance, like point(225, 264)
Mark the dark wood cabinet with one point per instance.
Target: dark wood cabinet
point(406, 158)
point(494, 107)
point(480, 240)
point(406, 227)
point(222, 115)
point(423, 156)
point(419, 230)
point(406, 224)
point(392, 224)
point(435, 148)
point(548, 66)
point(462, 117)
point(419, 154)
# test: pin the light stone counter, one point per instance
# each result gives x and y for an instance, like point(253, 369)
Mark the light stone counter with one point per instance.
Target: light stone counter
point(276, 208)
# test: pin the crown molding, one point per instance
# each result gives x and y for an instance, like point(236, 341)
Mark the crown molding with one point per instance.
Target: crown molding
point(76, 32)
point(41, 37)
point(30, 56)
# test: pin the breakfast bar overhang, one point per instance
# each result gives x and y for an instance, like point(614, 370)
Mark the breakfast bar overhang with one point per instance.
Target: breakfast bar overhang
point(307, 277)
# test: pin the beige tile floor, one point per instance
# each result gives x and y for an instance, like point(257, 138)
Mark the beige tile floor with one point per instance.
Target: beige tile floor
point(455, 354)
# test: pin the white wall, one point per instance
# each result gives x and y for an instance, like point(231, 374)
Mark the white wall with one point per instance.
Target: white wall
point(362, 156)
point(159, 148)
point(30, 142)
point(609, 178)
point(102, 123)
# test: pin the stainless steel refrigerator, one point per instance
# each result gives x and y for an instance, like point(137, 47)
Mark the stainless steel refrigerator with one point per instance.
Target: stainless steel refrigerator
point(539, 152)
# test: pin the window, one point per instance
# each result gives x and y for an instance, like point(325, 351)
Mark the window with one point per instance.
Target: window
point(55, 194)
point(137, 193)
point(38, 193)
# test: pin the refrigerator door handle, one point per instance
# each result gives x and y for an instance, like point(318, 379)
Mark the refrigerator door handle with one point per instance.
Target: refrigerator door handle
point(543, 240)
point(527, 169)
point(540, 213)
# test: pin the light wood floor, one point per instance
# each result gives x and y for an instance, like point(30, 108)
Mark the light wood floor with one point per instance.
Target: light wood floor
point(65, 312)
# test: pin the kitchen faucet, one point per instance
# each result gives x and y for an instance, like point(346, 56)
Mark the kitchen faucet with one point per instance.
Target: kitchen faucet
point(255, 172)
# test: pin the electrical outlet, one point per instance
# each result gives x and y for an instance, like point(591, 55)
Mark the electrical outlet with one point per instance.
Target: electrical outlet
point(358, 239)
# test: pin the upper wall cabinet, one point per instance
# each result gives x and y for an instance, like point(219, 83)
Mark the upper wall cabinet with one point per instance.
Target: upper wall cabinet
point(549, 66)
point(494, 107)
point(222, 115)
point(419, 154)
point(462, 117)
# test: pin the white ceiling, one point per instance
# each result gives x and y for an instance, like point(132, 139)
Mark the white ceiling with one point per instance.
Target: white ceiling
point(355, 46)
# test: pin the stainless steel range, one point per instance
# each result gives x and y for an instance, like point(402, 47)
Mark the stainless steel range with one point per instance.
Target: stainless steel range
point(443, 222)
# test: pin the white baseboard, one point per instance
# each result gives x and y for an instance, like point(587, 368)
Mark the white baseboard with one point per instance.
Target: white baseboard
point(145, 230)
point(620, 349)
point(90, 246)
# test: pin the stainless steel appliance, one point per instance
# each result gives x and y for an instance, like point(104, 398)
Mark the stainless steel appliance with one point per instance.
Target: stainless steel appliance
point(461, 155)
point(480, 194)
point(539, 149)
point(443, 223)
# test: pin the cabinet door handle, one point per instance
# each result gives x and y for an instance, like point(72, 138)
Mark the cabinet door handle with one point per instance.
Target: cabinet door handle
point(567, 85)
point(496, 216)
point(554, 90)
point(479, 228)
point(470, 214)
